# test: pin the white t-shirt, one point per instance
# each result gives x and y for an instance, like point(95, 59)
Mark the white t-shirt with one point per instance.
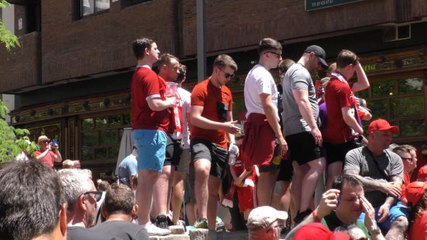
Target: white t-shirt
point(259, 80)
point(186, 108)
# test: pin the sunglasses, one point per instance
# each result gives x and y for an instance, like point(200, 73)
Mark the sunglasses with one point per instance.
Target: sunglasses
point(227, 75)
point(96, 195)
point(278, 55)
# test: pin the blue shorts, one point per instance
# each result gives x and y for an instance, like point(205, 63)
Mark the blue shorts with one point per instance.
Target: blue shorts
point(397, 210)
point(151, 146)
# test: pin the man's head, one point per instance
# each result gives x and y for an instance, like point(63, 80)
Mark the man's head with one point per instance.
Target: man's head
point(167, 67)
point(182, 75)
point(380, 133)
point(224, 68)
point(270, 52)
point(264, 223)
point(145, 48)
point(43, 142)
point(349, 204)
point(32, 203)
point(409, 163)
point(346, 62)
point(119, 199)
point(315, 58)
point(284, 65)
point(81, 196)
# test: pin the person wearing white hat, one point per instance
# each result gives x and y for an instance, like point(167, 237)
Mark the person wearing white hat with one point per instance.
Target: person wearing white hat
point(48, 153)
point(264, 223)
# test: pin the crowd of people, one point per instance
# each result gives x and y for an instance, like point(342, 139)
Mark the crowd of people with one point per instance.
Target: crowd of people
point(300, 164)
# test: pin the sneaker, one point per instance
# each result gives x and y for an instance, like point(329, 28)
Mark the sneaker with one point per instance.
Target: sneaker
point(162, 221)
point(152, 230)
point(201, 223)
point(301, 215)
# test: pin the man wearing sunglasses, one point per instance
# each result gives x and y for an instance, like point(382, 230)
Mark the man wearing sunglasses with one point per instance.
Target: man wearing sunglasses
point(212, 128)
point(82, 197)
point(49, 152)
point(265, 223)
point(262, 127)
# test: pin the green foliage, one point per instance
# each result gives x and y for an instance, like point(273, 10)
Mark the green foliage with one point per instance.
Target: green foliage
point(13, 141)
point(6, 37)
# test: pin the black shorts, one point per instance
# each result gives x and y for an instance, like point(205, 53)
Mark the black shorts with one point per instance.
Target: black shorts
point(302, 148)
point(286, 170)
point(203, 149)
point(337, 152)
point(173, 152)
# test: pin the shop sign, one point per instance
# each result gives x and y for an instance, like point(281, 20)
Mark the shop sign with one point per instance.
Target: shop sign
point(311, 5)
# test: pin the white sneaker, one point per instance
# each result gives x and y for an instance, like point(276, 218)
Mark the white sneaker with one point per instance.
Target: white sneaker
point(153, 230)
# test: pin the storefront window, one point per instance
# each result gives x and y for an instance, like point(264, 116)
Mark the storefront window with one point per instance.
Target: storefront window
point(100, 136)
point(401, 102)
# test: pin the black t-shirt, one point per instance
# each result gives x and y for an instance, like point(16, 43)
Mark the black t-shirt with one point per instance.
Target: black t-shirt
point(81, 233)
point(123, 230)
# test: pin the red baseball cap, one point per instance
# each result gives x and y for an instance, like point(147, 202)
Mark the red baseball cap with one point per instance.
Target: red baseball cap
point(318, 231)
point(415, 191)
point(382, 125)
point(422, 173)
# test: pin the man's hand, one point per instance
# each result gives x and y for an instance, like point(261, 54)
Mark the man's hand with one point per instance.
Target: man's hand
point(391, 188)
point(230, 127)
point(328, 202)
point(317, 135)
point(383, 212)
point(283, 146)
point(369, 211)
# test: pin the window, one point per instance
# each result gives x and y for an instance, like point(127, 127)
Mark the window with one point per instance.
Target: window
point(100, 136)
point(401, 101)
point(126, 3)
point(89, 7)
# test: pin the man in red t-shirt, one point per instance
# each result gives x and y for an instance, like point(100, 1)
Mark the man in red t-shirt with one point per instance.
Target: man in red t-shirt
point(211, 130)
point(48, 153)
point(342, 127)
point(150, 122)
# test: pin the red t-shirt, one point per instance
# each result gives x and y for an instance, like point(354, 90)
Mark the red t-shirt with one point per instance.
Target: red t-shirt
point(418, 230)
point(146, 83)
point(49, 159)
point(337, 95)
point(211, 98)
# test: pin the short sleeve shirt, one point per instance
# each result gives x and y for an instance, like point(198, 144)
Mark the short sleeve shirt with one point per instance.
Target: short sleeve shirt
point(361, 161)
point(297, 77)
point(145, 85)
point(259, 80)
point(216, 102)
point(128, 167)
point(49, 159)
point(337, 96)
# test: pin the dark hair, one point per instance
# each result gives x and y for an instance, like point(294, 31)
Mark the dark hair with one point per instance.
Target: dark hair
point(224, 60)
point(345, 58)
point(347, 179)
point(285, 64)
point(119, 199)
point(182, 73)
point(165, 58)
point(268, 44)
point(30, 199)
point(139, 46)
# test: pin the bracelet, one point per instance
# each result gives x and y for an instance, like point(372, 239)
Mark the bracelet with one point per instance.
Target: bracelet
point(315, 216)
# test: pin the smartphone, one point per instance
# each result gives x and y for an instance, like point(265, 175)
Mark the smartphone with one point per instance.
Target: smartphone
point(338, 199)
point(54, 142)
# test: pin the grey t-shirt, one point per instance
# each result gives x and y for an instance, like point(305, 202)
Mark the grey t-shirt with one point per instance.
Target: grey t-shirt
point(360, 160)
point(297, 77)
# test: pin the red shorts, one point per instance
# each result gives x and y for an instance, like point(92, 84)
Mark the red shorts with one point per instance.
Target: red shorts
point(259, 141)
point(246, 198)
